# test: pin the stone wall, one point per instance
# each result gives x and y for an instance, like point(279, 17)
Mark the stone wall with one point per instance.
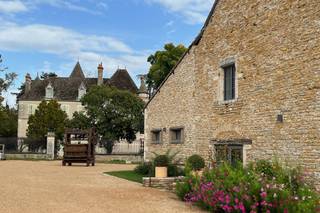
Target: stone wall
point(167, 183)
point(175, 99)
point(127, 158)
point(275, 46)
point(27, 108)
point(27, 156)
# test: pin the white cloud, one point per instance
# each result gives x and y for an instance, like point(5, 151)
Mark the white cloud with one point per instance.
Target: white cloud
point(195, 11)
point(12, 6)
point(72, 45)
point(16, 6)
point(56, 40)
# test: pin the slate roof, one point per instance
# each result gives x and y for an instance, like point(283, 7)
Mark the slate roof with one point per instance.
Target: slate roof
point(66, 88)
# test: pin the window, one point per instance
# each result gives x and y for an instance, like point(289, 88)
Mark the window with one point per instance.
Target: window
point(156, 136)
point(31, 109)
point(176, 135)
point(229, 153)
point(229, 90)
point(49, 91)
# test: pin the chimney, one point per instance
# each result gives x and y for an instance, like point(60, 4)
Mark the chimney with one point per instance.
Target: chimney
point(28, 83)
point(100, 74)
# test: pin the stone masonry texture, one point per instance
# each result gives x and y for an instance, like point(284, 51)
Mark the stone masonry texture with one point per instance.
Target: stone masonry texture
point(275, 46)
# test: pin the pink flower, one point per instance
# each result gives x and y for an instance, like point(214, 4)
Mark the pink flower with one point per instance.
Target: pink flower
point(227, 208)
point(236, 200)
point(242, 208)
point(227, 199)
point(263, 194)
point(264, 203)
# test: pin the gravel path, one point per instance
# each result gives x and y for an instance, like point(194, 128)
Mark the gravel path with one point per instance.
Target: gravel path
point(45, 186)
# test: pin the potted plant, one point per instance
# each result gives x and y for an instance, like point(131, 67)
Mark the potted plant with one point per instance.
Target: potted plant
point(196, 163)
point(161, 163)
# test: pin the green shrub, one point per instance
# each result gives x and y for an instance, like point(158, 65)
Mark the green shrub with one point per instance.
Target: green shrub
point(175, 171)
point(182, 189)
point(195, 162)
point(161, 161)
point(144, 168)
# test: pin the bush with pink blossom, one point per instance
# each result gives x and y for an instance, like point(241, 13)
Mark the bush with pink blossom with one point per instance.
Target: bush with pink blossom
point(260, 187)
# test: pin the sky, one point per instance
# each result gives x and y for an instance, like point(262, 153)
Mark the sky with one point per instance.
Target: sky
point(52, 35)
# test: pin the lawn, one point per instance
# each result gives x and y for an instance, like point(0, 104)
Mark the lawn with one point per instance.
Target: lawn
point(128, 175)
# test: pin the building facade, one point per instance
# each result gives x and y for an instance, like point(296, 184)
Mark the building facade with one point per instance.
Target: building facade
point(68, 92)
point(247, 88)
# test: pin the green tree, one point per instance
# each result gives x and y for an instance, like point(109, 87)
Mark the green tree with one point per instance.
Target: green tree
point(47, 117)
point(162, 62)
point(6, 80)
point(80, 121)
point(9, 122)
point(45, 75)
point(116, 114)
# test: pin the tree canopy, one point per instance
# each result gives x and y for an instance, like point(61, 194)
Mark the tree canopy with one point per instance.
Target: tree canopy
point(45, 75)
point(9, 122)
point(116, 114)
point(80, 121)
point(6, 80)
point(162, 62)
point(47, 117)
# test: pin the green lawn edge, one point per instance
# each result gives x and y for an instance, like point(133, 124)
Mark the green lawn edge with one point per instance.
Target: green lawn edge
point(127, 175)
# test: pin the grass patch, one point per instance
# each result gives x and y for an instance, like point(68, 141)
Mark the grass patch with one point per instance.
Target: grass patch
point(115, 162)
point(128, 175)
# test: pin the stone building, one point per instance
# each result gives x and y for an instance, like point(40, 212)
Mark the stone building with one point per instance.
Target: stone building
point(247, 88)
point(68, 92)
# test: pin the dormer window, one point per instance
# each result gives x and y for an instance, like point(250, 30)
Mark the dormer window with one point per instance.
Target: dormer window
point(49, 91)
point(81, 91)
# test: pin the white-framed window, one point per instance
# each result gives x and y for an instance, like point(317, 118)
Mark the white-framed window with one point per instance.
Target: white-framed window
point(31, 109)
point(49, 91)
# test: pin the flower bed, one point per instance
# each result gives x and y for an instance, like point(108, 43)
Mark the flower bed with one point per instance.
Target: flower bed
point(261, 187)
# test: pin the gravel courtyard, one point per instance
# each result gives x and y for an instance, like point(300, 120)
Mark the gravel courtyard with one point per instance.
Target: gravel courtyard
point(45, 186)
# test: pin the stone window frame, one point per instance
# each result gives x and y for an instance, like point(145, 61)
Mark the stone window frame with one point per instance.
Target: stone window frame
point(245, 144)
point(172, 130)
point(223, 64)
point(156, 131)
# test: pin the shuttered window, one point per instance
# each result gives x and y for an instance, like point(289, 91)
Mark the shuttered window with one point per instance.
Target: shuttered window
point(229, 82)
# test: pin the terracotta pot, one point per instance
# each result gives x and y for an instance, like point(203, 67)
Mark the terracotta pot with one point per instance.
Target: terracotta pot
point(161, 172)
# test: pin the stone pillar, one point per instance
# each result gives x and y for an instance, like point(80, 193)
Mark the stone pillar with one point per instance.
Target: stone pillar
point(50, 145)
